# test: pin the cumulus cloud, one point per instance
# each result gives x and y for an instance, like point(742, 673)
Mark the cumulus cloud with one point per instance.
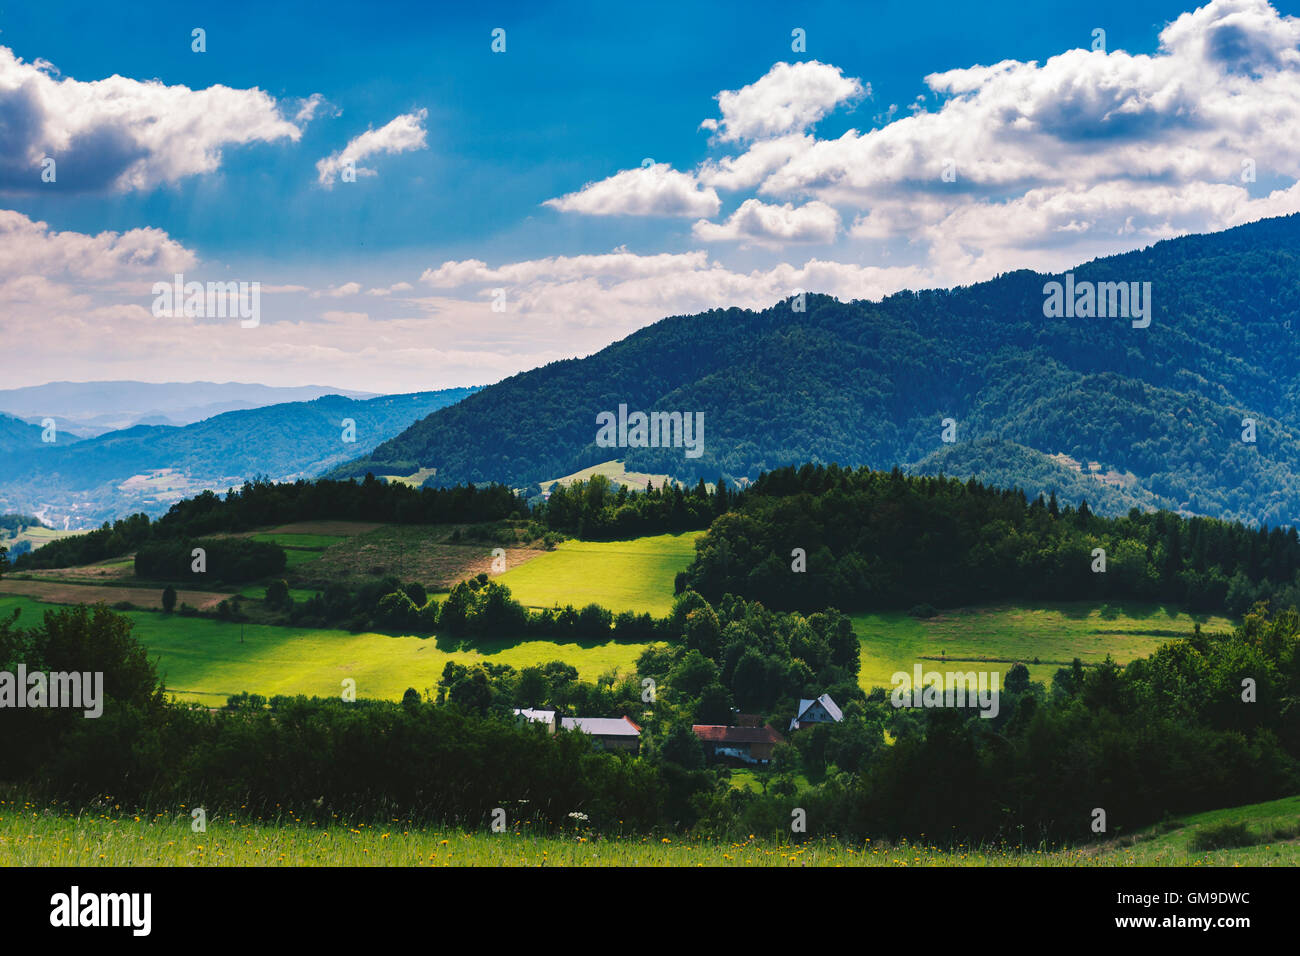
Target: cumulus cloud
point(338, 291)
point(653, 190)
point(767, 224)
point(390, 290)
point(789, 98)
point(120, 134)
point(29, 247)
point(620, 291)
point(1028, 163)
point(399, 135)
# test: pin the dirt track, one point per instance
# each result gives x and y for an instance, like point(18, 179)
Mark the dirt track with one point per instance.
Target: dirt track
point(57, 592)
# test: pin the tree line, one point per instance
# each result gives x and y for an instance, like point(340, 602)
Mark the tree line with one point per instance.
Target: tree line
point(870, 540)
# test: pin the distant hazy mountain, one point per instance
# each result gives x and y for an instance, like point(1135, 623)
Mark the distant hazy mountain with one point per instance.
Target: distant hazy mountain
point(17, 435)
point(147, 467)
point(1040, 398)
point(96, 407)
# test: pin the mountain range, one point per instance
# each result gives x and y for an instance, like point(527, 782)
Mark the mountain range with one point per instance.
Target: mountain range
point(87, 409)
point(1192, 408)
point(77, 483)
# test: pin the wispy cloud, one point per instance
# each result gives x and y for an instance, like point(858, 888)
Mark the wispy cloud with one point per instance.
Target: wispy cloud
point(399, 135)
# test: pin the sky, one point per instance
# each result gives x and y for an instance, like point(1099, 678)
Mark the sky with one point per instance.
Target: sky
point(430, 198)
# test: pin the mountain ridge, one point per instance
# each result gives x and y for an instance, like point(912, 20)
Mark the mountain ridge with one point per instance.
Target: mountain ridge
point(870, 383)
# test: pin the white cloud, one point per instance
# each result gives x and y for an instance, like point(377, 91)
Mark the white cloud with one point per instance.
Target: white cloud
point(759, 222)
point(309, 108)
point(401, 134)
point(591, 297)
point(31, 247)
point(338, 291)
point(654, 190)
point(390, 290)
point(120, 134)
point(754, 165)
point(788, 99)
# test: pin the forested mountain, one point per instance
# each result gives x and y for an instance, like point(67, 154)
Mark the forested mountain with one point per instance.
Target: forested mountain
point(1158, 410)
point(147, 467)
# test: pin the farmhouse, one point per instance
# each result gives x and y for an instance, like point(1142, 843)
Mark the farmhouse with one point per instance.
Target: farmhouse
point(748, 744)
point(609, 733)
point(547, 717)
point(823, 710)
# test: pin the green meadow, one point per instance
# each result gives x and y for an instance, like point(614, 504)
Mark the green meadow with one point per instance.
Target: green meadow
point(37, 536)
point(1055, 634)
point(308, 542)
point(33, 835)
point(204, 660)
point(634, 575)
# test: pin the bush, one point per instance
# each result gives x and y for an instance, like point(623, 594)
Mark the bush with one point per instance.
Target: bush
point(277, 593)
point(1223, 836)
point(922, 610)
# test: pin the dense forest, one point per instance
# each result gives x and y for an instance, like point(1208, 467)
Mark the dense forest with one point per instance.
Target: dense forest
point(868, 540)
point(869, 383)
point(884, 540)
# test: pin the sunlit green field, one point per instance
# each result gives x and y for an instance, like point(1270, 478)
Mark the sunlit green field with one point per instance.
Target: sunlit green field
point(614, 471)
point(1053, 633)
point(41, 836)
point(634, 575)
point(204, 660)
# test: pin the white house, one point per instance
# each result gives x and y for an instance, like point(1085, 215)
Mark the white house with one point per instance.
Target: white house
point(823, 710)
point(546, 717)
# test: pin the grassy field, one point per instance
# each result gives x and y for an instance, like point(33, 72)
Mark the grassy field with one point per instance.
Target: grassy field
point(60, 592)
point(632, 575)
point(614, 471)
point(37, 536)
point(300, 542)
point(1004, 634)
point(203, 660)
point(635, 575)
point(424, 553)
point(41, 836)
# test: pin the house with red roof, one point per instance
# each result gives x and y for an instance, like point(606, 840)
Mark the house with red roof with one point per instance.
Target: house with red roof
point(751, 745)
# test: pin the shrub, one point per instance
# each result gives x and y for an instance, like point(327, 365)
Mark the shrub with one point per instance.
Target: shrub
point(1223, 836)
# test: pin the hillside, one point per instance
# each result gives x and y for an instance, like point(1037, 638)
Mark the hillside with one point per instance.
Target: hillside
point(869, 383)
point(147, 467)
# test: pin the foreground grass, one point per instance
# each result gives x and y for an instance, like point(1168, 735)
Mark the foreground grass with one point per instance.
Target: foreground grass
point(204, 660)
point(1055, 634)
point(41, 836)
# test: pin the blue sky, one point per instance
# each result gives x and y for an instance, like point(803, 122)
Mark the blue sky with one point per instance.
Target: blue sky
point(522, 171)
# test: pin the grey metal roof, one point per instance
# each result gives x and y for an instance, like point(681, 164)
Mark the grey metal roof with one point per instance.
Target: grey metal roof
point(602, 726)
